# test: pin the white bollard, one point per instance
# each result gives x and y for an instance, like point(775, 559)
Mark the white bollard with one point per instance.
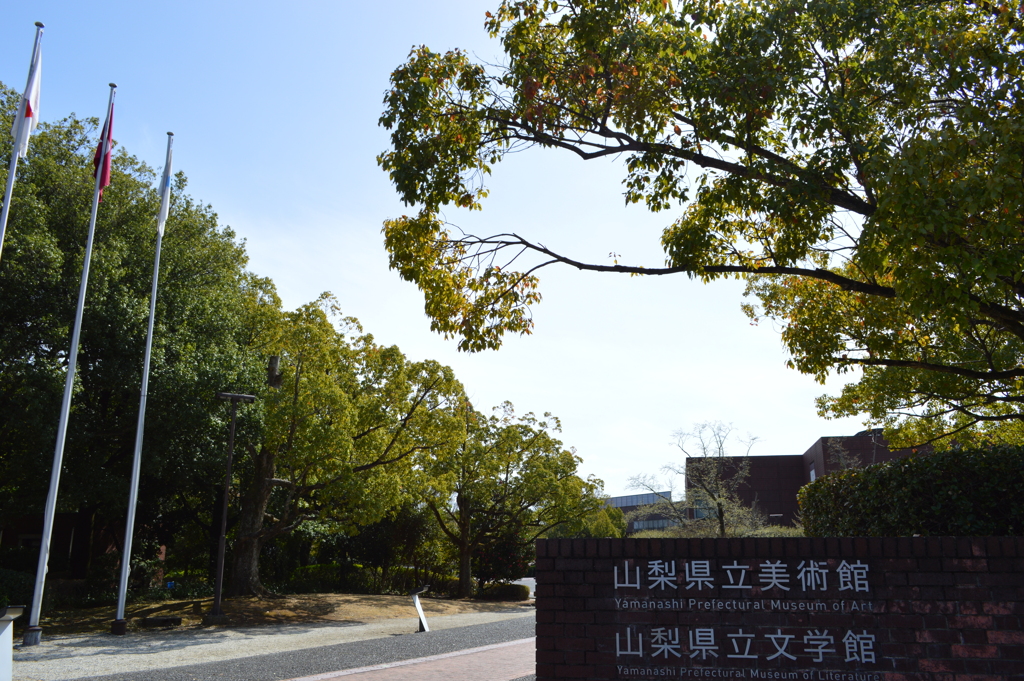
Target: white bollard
point(7, 617)
point(415, 593)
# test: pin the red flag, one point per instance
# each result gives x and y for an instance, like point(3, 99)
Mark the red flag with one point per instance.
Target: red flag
point(106, 136)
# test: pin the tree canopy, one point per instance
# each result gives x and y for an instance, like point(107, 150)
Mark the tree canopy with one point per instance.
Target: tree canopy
point(858, 162)
point(507, 483)
point(346, 433)
point(201, 331)
point(346, 421)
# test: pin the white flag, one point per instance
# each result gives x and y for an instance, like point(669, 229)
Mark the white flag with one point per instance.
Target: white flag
point(28, 110)
point(165, 191)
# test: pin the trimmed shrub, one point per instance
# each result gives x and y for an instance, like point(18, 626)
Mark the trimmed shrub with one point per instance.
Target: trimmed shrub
point(957, 492)
point(777, 531)
point(505, 592)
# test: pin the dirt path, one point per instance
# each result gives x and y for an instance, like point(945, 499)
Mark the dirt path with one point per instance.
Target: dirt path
point(256, 611)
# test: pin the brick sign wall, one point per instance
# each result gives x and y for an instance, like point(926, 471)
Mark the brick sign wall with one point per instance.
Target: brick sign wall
point(928, 609)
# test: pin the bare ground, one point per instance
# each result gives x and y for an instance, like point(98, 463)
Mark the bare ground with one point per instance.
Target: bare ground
point(251, 611)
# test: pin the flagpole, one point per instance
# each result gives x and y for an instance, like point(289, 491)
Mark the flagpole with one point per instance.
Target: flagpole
point(33, 632)
point(20, 121)
point(120, 625)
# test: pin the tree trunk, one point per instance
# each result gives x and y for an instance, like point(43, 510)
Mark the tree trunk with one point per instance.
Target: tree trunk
point(245, 571)
point(465, 550)
point(214, 533)
point(465, 570)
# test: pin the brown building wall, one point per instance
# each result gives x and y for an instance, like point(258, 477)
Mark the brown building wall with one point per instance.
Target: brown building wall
point(774, 481)
point(772, 485)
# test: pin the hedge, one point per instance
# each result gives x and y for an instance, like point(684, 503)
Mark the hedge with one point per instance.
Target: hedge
point(505, 592)
point(954, 493)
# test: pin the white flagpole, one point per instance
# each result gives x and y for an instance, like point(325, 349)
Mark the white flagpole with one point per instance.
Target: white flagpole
point(33, 632)
point(119, 626)
point(19, 124)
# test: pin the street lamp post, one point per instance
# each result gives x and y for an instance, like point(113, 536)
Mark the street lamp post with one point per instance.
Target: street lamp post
point(234, 398)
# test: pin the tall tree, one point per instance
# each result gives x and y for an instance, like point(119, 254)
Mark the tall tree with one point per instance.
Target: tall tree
point(199, 346)
point(346, 422)
point(606, 521)
point(508, 479)
point(858, 162)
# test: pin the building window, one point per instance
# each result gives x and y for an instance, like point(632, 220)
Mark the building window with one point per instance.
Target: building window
point(639, 499)
point(650, 525)
point(814, 475)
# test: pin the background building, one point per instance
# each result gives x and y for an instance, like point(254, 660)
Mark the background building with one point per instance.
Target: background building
point(631, 502)
point(774, 481)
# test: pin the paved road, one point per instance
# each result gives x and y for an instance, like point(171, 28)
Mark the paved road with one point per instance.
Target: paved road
point(494, 650)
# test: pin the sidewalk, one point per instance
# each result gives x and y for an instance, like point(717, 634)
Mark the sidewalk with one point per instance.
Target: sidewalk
point(77, 657)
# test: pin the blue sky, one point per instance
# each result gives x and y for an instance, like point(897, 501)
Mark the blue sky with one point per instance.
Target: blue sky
point(274, 107)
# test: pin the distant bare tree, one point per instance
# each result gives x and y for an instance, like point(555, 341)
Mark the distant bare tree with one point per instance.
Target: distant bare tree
point(839, 457)
point(710, 505)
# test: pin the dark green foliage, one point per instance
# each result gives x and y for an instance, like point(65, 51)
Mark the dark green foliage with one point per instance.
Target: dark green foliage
point(15, 587)
point(503, 559)
point(324, 578)
point(334, 578)
point(505, 592)
point(965, 493)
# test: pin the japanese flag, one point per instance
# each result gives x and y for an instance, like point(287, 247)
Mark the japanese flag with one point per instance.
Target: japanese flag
point(28, 111)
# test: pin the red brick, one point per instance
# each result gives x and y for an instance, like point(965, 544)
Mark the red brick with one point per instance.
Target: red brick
point(1006, 637)
point(931, 579)
point(1001, 608)
point(570, 617)
point(976, 637)
point(549, 630)
point(975, 651)
point(1012, 668)
point(895, 620)
point(940, 665)
point(572, 672)
point(550, 657)
point(937, 636)
point(974, 622)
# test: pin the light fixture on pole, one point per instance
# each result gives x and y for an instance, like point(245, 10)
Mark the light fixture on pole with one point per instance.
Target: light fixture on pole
point(234, 398)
